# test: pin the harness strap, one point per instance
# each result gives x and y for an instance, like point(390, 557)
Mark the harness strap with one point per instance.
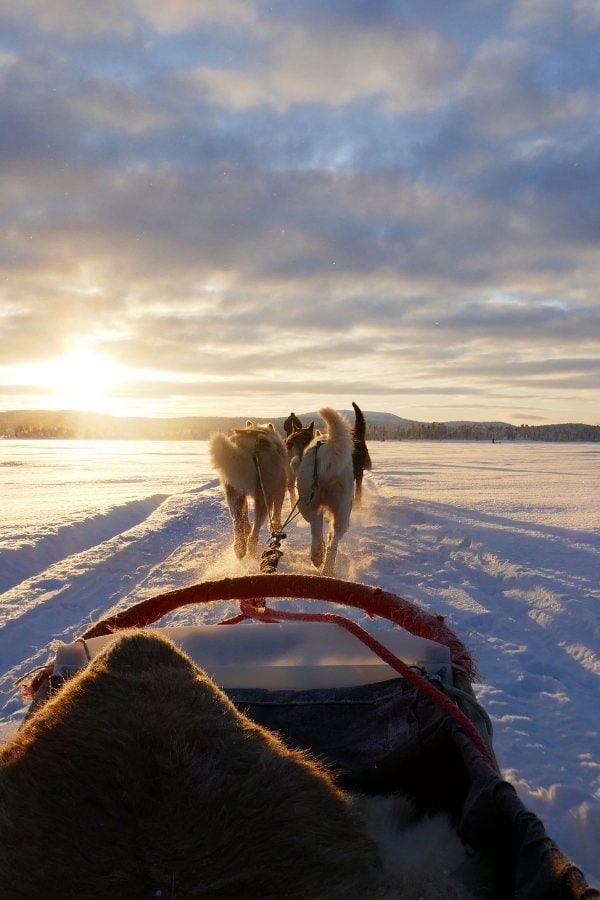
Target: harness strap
point(262, 487)
point(293, 514)
point(315, 481)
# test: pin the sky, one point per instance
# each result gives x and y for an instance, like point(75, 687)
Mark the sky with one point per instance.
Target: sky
point(243, 208)
point(500, 539)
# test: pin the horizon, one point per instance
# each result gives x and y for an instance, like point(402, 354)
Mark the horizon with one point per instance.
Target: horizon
point(264, 417)
point(220, 207)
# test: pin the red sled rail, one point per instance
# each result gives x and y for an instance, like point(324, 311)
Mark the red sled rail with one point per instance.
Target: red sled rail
point(252, 590)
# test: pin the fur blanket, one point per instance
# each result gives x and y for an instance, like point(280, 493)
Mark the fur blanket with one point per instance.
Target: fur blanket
point(140, 779)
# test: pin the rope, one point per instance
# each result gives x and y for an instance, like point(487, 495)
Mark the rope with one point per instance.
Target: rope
point(315, 481)
point(29, 689)
point(264, 493)
point(293, 514)
point(269, 559)
point(261, 612)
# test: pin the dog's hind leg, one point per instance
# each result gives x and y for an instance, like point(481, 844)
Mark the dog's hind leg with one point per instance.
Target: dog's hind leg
point(360, 462)
point(339, 525)
point(333, 539)
point(238, 508)
point(292, 474)
point(260, 514)
point(330, 555)
point(277, 505)
point(293, 494)
point(358, 477)
point(317, 547)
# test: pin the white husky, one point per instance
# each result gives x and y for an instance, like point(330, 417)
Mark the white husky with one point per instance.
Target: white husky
point(251, 462)
point(325, 483)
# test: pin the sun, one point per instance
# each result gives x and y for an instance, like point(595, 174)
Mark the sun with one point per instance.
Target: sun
point(83, 379)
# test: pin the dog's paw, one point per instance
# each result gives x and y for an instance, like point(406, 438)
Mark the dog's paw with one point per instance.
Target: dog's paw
point(240, 546)
point(317, 556)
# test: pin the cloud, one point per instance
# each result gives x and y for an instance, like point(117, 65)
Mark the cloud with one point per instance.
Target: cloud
point(72, 21)
point(106, 103)
point(177, 16)
point(503, 95)
point(235, 200)
point(584, 14)
point(401, 68)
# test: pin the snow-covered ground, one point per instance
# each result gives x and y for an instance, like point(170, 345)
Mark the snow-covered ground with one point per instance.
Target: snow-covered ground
point(502, 539)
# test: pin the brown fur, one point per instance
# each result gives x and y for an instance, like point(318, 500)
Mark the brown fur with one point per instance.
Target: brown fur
point(235, 457)
point(296, 443)
point(140, 779)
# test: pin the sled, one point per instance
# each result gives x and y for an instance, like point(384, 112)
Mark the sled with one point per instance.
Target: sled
point(367, 681)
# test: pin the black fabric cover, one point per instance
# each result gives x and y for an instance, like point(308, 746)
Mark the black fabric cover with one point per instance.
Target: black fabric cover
point(389, 737)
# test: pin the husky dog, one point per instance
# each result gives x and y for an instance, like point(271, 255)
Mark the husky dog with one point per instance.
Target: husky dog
point(296, 443)
point(325, 482)
point(251, 462)
point(360, 455)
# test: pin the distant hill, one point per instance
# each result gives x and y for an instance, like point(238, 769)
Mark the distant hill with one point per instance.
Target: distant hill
point(381, 426)
point(84, 425)
point(389, 420)
point(97, 426)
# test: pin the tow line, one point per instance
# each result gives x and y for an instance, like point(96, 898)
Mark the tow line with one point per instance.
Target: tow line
point(269, 558)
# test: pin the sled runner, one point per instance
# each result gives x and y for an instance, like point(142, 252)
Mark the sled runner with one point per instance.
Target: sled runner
point(366, 682)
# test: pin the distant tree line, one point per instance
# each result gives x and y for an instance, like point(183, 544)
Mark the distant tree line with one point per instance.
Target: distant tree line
point(482, 431)
point(28, 425)
point(65, 425)
point(31, 432)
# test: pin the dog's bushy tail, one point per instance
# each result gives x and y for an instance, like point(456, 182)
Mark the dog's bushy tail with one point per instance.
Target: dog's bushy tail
point(360, 428)
point(359, 433)
point(233, 465)
point(339, 438)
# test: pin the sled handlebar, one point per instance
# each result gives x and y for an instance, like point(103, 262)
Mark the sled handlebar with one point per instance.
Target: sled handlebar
point(373, 601)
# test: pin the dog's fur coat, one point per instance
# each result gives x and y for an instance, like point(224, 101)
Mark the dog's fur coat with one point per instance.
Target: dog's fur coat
point(360, 453)
point(139, 779)
point(325, 481)
point(296, 443)
point(299, 438)
point(236, 458)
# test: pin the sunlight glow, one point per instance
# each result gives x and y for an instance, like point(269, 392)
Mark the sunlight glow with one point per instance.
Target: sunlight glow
point(83, 379)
